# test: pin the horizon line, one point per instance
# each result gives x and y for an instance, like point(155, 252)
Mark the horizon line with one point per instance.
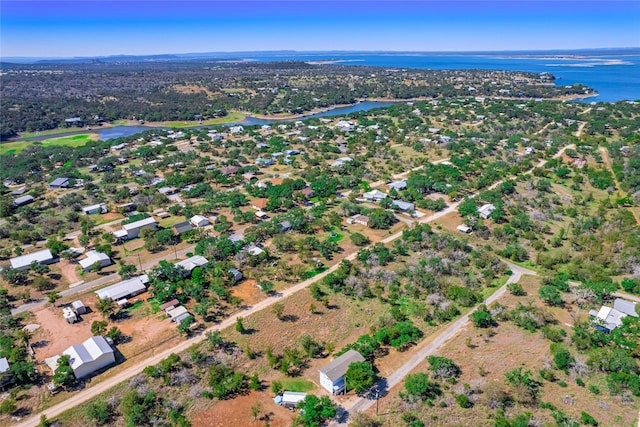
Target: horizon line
point(3, 59)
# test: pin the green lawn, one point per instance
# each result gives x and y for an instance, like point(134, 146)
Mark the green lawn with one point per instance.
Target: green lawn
point(65, 141)
point(49, 132)
point(297, 384)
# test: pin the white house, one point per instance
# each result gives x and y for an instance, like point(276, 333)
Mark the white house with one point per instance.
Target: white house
point(290, 399)
point(199, 221)
point(131, 231)
point(332, 375)
point(190, 263)
point(398, 185)
point(359, 219)
point(403, 206)
point(24, 261)
point(94, 257)
point(94, 209)
point(341, 161)
point(126, 288)
point(486, 210)
point(178, 314)
point(236, 129)
point(69, 315)
point(345, 126)
point(609, 318)
point(464, 228)
point(90, 356)
point(374, 195)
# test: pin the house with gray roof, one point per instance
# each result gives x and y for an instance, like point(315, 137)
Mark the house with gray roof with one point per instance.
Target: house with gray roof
point(94, 257)
point(332, 375)
point(126, 288)
point(190, 263)
point(403, 206)
point(609, 318)
point(59, 183)
point(23, 200)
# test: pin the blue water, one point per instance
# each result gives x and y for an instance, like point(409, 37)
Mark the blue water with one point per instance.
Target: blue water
point(612, 82)
point(122, 131)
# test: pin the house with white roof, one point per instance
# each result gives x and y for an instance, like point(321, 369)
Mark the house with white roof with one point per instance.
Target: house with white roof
point(94, 257)
point(374, 195)
point(199, 221)
point(341, 161)
point(132, 230)
point(24, 261)
point(89, 357)
point(486, 210)
point(94, 209)
point(127, 288)
point(609, 318)
point(403, 206)
point(398, 185)
point(190, 263)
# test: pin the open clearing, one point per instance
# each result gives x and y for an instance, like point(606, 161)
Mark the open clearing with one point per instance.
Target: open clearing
point(66, 141)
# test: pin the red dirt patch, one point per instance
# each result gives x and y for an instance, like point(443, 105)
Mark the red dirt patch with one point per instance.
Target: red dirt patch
point(248, 292)
point(237, 412)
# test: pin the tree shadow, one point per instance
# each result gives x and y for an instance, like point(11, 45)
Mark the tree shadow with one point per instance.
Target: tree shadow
point(289, 318)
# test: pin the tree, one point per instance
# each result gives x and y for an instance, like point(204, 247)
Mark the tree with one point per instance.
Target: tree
point(240, 326)
point(98, 327)
point(14, 276)
point(467, 207)
point(278, 310)
point(550, 295)
point(267, 287)
point(106, 306)
point(315, 411)
point(64, 374)
point(359, 239)
point(186, 323)
point(443, 367)
point(360, 376)
point(53, 297)
point(482, 318)
point(126, 271)
point(114, 333)
point(99, 412)
point(418, 386)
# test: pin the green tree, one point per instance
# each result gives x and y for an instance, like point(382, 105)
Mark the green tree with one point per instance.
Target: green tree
point(98, 327)
point(482, 318)
point(106, 306)
point(550, 295)
point(99, 412)
point(360, 376)
point(315, 411)
point(278, 310)
point(359, 239)
point(240, 326)
point(468, 207)
point(64, 374)
point(418, 386)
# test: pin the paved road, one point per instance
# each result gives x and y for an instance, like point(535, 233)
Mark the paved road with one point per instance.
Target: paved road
point(385, 384)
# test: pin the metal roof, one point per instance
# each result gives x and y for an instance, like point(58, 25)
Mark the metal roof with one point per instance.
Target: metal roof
point(92, 258)
point(190, 263)
point(142, 223)
point(338, 366)
point(124, 288)
point(88, 351)
point(26, 260)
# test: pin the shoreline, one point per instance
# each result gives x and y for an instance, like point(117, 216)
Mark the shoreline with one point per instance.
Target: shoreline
point(243, 116)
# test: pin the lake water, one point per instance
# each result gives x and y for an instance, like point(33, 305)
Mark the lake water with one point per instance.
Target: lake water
point(122, 131)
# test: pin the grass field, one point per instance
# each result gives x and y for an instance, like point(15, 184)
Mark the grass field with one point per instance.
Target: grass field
point(297, 384)
point(49, 132)
point(66, 141)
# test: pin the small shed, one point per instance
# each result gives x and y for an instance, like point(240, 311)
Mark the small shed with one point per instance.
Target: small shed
point(237, 275)
point(290, 399)
point(69, 315)
point(177, 312)
point(79, 307)
point(167, 306)
point(464, 228)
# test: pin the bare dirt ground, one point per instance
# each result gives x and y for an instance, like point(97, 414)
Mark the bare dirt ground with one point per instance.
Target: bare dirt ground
point(55, 334)
point(248, 291)
point(485, 359)
point(69, 271)
point(237, 412)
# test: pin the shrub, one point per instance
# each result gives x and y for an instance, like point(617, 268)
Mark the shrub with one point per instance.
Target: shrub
point(587, 419)
point(463, 401)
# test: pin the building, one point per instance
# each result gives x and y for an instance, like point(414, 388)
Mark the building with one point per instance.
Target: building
point(236, 129)
point(178, 313)
point(125, 289)
point(199, 221)
point(182, 227)
point(374, 195)
point(359, 219)
point(59, 183)
point(229, 170)
point(237, 275)
point(609, 318)
point(486, 210)
point(90, 356)
point(285, 226)
point(169, 305)
point(307, 192)
point(259, 204)
point(23, 200)
point(94, 257)
point(346, 126)
point(132, 230)
point(69, 315)
point(464, 228)
point(403, 206)
point(398, 185)
point(79, 307)
point(24, 261)
point(341, 161)
point(94, 209)
point(290, 399)
point(167, 191)
point(190, 263)
point(332, 375)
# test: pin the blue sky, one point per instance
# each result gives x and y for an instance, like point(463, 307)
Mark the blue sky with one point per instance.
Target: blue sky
point(93, 27)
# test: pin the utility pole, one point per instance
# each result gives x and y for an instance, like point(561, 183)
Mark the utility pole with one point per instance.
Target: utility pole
point(140, 263)
point(377, 401)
